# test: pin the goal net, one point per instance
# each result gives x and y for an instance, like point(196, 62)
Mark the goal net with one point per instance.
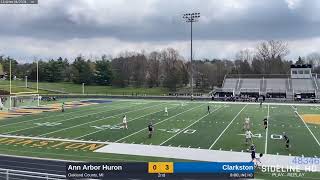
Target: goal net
point(25, 100)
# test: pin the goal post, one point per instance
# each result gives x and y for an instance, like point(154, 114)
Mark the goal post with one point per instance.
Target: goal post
point(24, 100)
point(20, 82)
point(20, 93)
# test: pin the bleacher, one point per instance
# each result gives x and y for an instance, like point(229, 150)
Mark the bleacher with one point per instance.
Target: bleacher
point(230, 83)
point(300, 83)
point(276, 85)
point(251, 83)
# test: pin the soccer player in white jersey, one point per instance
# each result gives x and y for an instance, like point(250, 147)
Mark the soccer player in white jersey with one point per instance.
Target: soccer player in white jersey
point(246, 125)
point(166, 111)
point(1, 105)
point(258, 160)
point(248, 136)
point(125, 123)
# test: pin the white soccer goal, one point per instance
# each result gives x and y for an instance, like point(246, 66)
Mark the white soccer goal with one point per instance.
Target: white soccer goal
point(24, 100)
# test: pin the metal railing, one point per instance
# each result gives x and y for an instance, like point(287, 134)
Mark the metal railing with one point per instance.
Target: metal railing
point(17, 174)
point(257, 76)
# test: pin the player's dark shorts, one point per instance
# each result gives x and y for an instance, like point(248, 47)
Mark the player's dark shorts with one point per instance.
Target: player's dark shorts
point(287, 143)
point(253, 155)
point(265, 123)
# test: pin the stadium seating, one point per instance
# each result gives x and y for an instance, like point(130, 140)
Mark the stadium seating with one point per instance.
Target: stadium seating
point(263, 86)
point(251, 83)
point(276, 84)
point(302, 85)
point(230, 83)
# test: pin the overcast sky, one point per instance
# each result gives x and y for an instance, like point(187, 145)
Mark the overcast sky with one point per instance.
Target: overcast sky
point(67, 28)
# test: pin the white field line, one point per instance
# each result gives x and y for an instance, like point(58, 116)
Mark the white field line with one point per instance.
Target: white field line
point(223, 156)
point(120, 123)
point(307, 127)
point(270, 103)
point(52, 139)
point(215, 102)
point(266, 141)
point(76, 117)
point(227, 127)
point(35, 158)
point(55, 115)
point(96, 120)
point(157, 123)
point(188, 126)
point(65, 155)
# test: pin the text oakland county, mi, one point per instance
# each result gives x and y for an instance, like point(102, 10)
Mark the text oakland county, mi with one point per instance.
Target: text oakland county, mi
point(90, 167)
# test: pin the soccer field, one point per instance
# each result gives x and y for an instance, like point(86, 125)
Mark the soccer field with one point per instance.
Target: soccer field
point(187, 125)
point(78, 132)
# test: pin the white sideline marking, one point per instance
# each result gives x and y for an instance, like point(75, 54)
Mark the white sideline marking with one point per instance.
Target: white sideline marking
point(275, 104)
point(51, 139)
point(266, 145)
point(38, 158)
point(189, 126)
point(307, 127)
point(197, 154)
point(121, 123)
point(227, 127)
point(108, 117)
point(76, 117)
point(157, 123)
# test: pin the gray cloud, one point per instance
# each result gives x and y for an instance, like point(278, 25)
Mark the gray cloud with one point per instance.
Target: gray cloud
point(156, 23)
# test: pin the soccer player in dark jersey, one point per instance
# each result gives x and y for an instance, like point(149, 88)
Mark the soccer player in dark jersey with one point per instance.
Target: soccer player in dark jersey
point(150, 129)
point(62, 107)
point(253, 152)
point(286, 139)
point(208, 109)
point(265, 122)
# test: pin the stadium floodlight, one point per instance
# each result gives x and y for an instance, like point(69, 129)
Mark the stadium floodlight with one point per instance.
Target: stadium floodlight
point(191, 18)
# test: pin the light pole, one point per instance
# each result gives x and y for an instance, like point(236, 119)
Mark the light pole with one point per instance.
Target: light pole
point(191, 18)
point(83, 88)
point(26, 80)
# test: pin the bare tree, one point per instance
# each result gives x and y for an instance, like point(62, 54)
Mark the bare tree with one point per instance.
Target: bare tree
point(313, 58)
point(153, 74)
point(271, 53)
point(272, 49)
point(245, 55)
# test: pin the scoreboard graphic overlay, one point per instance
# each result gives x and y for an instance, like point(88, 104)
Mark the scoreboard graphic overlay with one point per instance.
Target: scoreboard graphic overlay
point(162, 170)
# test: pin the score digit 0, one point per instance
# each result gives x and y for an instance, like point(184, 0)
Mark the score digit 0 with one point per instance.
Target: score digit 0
point(154, 167)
